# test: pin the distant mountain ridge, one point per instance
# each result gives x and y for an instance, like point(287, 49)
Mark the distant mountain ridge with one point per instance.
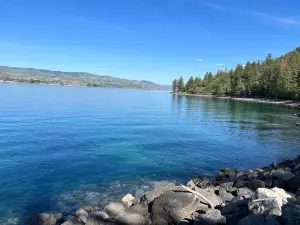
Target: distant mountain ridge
point(43, 76)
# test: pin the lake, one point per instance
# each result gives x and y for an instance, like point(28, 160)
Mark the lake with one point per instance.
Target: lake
point(65, 147)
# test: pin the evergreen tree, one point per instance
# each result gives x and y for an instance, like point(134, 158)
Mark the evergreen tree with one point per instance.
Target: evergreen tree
point(174, 86)
point(273, 77)
point(181, 87)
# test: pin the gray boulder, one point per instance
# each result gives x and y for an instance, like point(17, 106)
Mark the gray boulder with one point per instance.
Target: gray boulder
point(128, 199)
point(82, 214)
point(99, 215)
point(266, 206)
point(269, 201)
point(115, 209)
point(258, 220)
point(174, 206)
point(235, 210)
point(44, 219)
point(255, 184)
point(291, 214)
point(211, 217)
point(183, 222)
point(90, 209)
point(283, 175)
point(209, 193)
point(73, 221)
point(227, 186)
point(202, 182)
point(149, 196)
point(132, 219)
point(224, 195)
point(139, 208)
point(93, 221)
point(244, 191)
point(294, 183)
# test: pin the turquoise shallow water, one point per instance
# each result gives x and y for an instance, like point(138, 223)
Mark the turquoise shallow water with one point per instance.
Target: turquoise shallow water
point(62, 147)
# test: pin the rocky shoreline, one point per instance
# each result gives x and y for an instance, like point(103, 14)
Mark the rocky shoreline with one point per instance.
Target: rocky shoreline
point(284, 103)
point(268, 195)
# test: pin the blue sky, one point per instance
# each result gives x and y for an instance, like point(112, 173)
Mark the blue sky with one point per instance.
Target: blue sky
point(155, 40)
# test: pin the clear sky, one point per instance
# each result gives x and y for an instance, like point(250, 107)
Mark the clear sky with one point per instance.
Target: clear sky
point(155, 40)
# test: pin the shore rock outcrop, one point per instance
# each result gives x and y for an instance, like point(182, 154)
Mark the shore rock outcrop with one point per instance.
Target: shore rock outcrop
point(268, 195)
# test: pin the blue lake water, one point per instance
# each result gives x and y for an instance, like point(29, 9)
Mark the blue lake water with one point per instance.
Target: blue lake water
point(64, 147)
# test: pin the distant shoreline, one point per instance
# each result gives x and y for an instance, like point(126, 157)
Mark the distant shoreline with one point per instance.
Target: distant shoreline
point(284, 103)
point(78, 85)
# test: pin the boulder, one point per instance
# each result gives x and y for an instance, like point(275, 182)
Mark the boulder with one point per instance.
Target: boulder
point(244, 191)
point(132, 219)
point(174, 206)
point(227, 171)
point(242, 173)
point(278, 193)
point(90, 209)
point(255, 184)
point(44, 219)
point(297, 124)
point(283, 175)
point(291, 214)
point(73, 221)
point(235, 210)
point(258, 220)
point(294, 183)
point(183, 222)
point(224, 195)
point(128, 199)
point(139, 208)
point(269, 201)
point(265, 206)
point(93, 221)
point(204, 181)
point(99, 215)
point(116, 208)
point(82, 214)
point(149, 196)
point(268, 179)
point(209, 193)
point(241, 184)
point(211, 217)
point(227, 186)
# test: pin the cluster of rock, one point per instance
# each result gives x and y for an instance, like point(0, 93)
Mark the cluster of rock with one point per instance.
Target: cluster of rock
point(268, 195)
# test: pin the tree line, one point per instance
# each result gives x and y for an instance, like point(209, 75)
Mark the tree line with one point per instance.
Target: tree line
point(272, 77)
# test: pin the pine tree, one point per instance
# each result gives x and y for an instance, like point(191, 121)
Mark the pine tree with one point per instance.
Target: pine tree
point(181, 87)
point(174, 86)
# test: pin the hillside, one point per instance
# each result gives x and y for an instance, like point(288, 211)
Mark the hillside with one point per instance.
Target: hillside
point(31, 75)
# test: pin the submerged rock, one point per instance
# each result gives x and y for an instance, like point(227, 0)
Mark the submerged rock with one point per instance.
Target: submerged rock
point(44, 219)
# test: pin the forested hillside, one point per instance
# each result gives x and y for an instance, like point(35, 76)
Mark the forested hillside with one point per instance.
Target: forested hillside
point(272, 77)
